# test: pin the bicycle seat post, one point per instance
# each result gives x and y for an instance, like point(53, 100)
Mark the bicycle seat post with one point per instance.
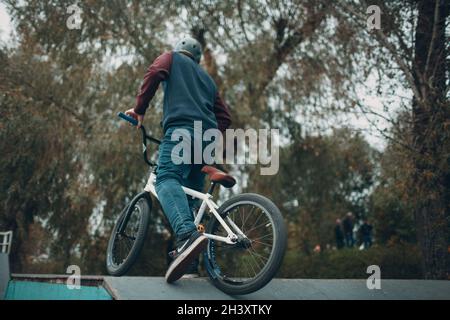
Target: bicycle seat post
point(212, 187)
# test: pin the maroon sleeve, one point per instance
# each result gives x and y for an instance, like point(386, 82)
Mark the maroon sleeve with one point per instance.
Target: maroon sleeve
point(222, 113)
point(157, 72)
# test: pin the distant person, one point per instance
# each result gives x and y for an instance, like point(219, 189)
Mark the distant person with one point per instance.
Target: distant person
point(339, 234)
point(366, 234)
point(347, 225)
point(317, 248)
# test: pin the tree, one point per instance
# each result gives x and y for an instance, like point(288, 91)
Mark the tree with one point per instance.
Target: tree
point(65, 161)
point(421, 63)
point(431, 136)
point(393, 212)
point(257, 44)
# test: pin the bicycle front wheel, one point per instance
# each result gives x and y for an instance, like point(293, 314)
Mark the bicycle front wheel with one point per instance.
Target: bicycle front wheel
point(250, 263)
point(128, 235)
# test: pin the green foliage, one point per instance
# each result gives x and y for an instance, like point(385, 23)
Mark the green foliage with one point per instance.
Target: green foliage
point(402, 261)
point(321, 179)
point(392, 210)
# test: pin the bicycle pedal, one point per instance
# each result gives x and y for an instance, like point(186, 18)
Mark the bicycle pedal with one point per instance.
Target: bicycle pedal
point(201, 228)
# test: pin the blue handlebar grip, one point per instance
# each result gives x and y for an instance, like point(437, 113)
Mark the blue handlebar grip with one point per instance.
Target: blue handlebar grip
point(128, 118)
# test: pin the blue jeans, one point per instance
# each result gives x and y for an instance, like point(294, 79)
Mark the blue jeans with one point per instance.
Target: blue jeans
point(349, 241)
point(367, 240)
point(170, 177)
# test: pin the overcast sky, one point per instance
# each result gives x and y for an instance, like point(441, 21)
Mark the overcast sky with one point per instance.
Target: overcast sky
point(5, 25)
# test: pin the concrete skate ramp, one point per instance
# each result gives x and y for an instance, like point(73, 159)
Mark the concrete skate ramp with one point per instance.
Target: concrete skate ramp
point(4, 274)
point(54, 287)
point(155, 288)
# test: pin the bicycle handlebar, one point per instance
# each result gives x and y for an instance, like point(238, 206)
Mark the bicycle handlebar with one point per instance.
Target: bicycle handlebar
point(132, 120)
point(145, 136)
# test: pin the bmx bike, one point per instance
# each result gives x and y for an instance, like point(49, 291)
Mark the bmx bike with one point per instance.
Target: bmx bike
point(247, 234)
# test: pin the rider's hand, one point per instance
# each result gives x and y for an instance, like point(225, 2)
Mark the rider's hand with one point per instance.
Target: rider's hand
point(138, 117)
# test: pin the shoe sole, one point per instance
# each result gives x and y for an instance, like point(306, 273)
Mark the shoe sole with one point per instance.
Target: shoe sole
point(179, 266)
point(190, 276)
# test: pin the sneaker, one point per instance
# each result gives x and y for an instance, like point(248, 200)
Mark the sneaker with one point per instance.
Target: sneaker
point(192, 270)
point(184, 255)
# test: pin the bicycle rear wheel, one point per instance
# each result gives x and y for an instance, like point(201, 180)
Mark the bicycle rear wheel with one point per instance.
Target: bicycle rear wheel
point(250, 263)
point(128, 235)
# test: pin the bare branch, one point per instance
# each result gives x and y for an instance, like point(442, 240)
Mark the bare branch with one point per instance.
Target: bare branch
point(433, 38)
point(382, 132)
point(382, 38)
point(281, 51)
point(241, 21)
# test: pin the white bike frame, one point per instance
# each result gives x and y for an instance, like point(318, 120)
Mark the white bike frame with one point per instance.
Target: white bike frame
point(207, 202)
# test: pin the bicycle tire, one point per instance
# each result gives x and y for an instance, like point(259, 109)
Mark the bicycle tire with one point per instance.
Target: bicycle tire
point(119, 270)
point(276, 257)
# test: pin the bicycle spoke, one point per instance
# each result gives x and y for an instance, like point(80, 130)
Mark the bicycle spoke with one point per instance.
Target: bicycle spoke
point(255, 255)
point(263, 243)
point(255, 222)
point(258, 255)
point(128, 237)
point(249, 215)
point(259, 226)
point(247, 270)
point(255, 273)
point(242, 219)
point(267, 235)
point(129, 244)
